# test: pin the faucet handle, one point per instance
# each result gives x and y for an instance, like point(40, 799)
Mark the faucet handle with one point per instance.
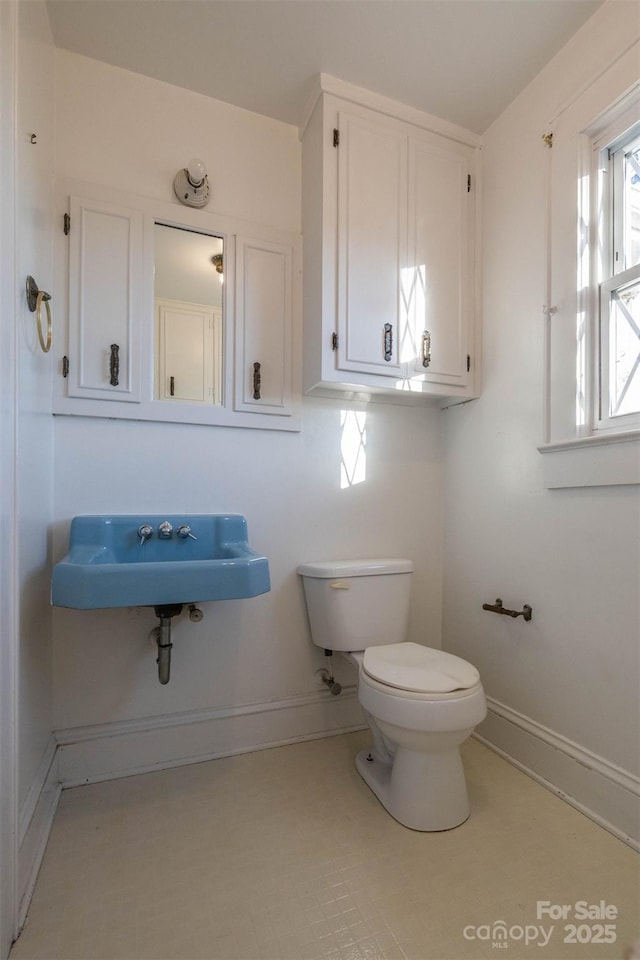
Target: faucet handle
point(145, 532)
point(184, 532)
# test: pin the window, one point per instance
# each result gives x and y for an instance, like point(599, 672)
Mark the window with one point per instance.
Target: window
point(618, 387)
point(591, 422)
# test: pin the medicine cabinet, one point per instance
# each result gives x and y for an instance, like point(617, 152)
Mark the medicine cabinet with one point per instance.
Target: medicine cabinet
point(175, 314)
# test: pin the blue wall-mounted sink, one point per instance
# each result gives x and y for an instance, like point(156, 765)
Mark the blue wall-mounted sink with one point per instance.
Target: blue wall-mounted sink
point(110, 565)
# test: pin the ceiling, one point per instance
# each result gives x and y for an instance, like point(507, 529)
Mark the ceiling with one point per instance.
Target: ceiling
point(461, 60)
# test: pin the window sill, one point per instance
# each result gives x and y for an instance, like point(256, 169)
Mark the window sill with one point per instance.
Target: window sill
point(596, 461)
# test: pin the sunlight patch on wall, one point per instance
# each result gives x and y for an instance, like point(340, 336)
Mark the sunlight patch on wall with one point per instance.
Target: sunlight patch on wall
point(353, 448)
point(413, 312)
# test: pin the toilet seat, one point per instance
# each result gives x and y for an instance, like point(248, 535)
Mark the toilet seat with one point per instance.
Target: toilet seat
point(422, 712)
point(415, 669)
point(424, 698)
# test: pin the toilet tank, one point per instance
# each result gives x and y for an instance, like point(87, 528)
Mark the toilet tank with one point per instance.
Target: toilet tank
point(355, 604)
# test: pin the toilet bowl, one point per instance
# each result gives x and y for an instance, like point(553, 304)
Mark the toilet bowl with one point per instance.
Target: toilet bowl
point(420, 703)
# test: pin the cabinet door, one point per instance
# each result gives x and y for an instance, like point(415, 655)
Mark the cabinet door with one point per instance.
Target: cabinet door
point(439, 277)
point(104, 301)
point(372, 240)
point(188, 351)
point(264, 316)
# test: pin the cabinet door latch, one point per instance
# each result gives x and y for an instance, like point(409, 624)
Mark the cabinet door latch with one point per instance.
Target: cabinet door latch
point(114, 365)
point(257, 380)
point(426, 348)
point(388, 342)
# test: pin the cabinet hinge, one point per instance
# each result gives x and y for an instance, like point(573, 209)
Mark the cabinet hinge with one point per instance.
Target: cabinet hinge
point(67, 224)
point(468, 362)
point(336, 137)
point(334, 341)
point(65, 367)
point(468, 183)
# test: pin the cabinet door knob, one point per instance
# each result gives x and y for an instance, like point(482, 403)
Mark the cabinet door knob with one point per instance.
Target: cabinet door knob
point(257, 379)
point(114, 365)
point(426, 348)
point(388, 342)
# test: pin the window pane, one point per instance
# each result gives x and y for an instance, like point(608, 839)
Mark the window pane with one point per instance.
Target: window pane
point(624, 351)
point(632, 204)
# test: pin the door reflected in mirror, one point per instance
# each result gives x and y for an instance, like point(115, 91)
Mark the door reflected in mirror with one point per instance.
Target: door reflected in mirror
point(188, 302)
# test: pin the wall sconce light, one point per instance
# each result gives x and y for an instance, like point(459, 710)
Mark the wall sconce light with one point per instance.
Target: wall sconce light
point(191, 184)
point(218, 264)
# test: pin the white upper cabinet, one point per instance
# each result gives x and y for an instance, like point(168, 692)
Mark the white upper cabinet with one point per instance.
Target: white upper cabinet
point(174, 314)
point(439, 279)
point(105, 298)
point(372, 243)
point(389, 221)
point(264, 332)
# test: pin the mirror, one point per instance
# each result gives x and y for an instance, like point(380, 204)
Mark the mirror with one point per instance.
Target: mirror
point(188, 309)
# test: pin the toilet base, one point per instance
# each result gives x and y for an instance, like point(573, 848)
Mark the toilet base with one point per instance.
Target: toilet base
point(422, 791)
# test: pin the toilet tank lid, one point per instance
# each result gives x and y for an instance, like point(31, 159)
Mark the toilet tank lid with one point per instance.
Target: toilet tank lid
point(331, 569)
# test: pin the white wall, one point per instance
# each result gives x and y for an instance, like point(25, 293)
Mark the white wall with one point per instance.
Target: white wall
point(111, 125)
point(8, 525)
point(35, 451)
point(288, 487)
point(572, 554)
point(27, 777)
point(119, 128)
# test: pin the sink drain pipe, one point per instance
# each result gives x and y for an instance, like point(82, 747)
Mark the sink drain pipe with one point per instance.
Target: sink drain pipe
point(163, 640)
point(162, 634)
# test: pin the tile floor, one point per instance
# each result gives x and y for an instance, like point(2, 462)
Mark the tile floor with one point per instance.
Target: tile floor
point(285, 854)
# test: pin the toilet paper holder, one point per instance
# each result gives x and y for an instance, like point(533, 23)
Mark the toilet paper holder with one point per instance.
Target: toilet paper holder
point(498, 607)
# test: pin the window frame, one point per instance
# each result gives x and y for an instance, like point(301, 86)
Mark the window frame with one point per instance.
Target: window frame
point(608, 276)
point(577, 451)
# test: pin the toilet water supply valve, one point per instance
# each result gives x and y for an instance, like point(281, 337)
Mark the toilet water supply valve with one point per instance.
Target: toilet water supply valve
point(327, 675)
point(162, 634)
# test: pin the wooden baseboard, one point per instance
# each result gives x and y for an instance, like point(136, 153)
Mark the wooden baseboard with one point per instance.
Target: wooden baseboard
point(601, 790)
point(103, 752)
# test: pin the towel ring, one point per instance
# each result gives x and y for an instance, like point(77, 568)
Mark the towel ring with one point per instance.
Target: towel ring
point(43, 298)
point(35, 299)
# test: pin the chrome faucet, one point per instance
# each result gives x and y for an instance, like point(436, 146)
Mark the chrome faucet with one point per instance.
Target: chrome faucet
point(184, 531)
point(145, 532)
point(165, 530)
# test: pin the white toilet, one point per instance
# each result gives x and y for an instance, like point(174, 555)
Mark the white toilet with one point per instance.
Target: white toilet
point(420, 703)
